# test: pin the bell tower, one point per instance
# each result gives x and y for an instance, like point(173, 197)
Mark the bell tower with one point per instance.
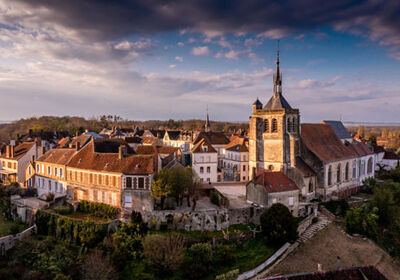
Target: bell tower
point(274, 131)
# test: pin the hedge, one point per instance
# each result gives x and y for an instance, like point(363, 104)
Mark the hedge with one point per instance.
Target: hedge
point(86, 233)
point(97, 209)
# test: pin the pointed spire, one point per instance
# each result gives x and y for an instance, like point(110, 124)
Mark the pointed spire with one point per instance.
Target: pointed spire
point(277, 76)
point(207, 126)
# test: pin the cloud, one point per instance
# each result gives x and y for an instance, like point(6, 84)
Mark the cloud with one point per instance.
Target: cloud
point(204, 50)
point(179, 58)
point(312, 83)
point(180, 44)
point(232, 54)
point(171, 66)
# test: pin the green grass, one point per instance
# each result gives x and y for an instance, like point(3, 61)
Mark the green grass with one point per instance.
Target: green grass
point(5, 226)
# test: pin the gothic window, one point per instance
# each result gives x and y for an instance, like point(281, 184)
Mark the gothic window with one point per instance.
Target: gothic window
point(266, 126)
point(310, 186)
point(274, 125)
point(369, 166)
point(347, 172)
point(294, 126)
point(354, 169)
point(330, 175)
point(338, 175)
point(289, 125)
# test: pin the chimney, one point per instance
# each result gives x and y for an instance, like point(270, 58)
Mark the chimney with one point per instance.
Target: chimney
point(78, 146)
point(8, 151)
point(11, 151)
point(120, 152)
point(42, 150)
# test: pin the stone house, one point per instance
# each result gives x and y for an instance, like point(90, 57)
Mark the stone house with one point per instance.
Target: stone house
point(269, 187)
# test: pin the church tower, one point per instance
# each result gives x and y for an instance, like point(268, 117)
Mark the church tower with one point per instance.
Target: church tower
point(274, 131)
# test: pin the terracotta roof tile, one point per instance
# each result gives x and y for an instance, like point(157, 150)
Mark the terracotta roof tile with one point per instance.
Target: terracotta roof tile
point(237, 145)
point(322, 140)
point(200, 147)
point(87, 158)
point(275, 181)
point(361, 149)
point(57, 156)
point(214, 138)
point(20, 150)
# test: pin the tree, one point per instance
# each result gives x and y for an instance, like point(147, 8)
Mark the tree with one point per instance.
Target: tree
point(179, 180)
point(200, 256)
point(164, 253)
point(361, 131)
point(98, 267)
point(278, 224)
point(159, 187)
point(362, 220)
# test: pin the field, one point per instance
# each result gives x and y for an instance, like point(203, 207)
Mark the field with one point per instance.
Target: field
point(331, 242)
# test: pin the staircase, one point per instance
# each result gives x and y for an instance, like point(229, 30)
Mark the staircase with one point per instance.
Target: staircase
point(323, 222)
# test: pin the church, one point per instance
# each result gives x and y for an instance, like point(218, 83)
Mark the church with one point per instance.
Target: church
point(286, 156)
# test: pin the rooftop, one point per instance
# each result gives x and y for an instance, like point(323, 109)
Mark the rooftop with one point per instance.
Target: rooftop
point(275, 181)
point(339, 129)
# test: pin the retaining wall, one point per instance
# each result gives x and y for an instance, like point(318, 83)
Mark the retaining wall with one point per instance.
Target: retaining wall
point(9, 241)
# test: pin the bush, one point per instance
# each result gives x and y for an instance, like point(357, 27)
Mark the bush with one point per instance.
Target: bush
point(97, 209)
point(278, 224)
point(198, 263)
point(14, 229)
point(164, 253)
point(362, 220)
point(224, 256)
point(214, 198)
point(230, 275)
point(337, 207)
point(98, 267)
point(63, 210)
point(81, 232)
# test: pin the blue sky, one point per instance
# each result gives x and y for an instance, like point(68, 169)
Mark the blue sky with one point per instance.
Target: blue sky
point(162, 60)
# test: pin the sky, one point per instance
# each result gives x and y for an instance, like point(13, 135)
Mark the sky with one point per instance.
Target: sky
point(148, 59)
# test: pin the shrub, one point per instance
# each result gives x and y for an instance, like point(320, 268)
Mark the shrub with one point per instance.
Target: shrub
point(337, 207)
point(98, 267)
point(214, 198)
point(224, 255)
point(199, 261)
point(362, 220)
point(278, 224)
point(164, 253)
point(230, 275)
point(97, 209)
point(63, 210)
point(14, 229)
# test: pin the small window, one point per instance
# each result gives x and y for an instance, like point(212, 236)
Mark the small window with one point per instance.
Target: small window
point(291, 201)
point(129, 182)
point(201, 169)
point(141, 183)
point(274, 125)
point(55, 171)
point(61, 173)
point(266, 126)
point(208, 169)
point(48, 170)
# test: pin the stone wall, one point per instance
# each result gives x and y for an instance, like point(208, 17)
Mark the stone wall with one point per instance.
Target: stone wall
point(9, 241)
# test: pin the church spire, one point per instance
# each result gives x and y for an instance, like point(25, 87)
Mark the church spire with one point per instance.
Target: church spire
point(207, 126)
point(277, 77)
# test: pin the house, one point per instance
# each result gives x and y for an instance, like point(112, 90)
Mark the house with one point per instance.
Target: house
point(340, 131)
point(269, 187)
point(14, 162)
point(178, 138)
point(110, 172)
point(236, 160)
point(390, 160)
point(205, 161)
point(51, 171)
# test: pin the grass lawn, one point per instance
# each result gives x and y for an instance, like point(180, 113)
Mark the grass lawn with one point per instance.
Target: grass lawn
point(5, 226)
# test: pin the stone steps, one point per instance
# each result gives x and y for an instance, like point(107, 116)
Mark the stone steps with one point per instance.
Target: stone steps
point(323, 222)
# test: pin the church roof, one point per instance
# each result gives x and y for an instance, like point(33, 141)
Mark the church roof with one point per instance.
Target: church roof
point(322, 140)
point(277, 101)
point(275, 181)
point(257, 102)
point(304, 168)
point(339, 128)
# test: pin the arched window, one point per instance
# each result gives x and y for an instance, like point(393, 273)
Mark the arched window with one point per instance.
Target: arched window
point(310, 186)
point(354, 169)
point(266, 126)
point(338, 175)
point(369, 166)
point(274, 125)
point(330, 175)
point(294, 126)
point(289, 124)
point(347, 172)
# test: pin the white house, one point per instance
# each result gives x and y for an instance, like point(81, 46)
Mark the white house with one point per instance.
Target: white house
point(236, 160)
point(205, 161)
point(390, 160)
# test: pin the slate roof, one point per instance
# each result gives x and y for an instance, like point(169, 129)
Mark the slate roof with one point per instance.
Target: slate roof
point(304, 168)
point(391, 155)
point(354, 273)
point(339, 129)
point(173, 134)
point(322, 140)
point(57, 156)
point(20, 150)
point(214, 138)
point(88, 159)
point(277, 101)
point(275, 181)
point(133, 140)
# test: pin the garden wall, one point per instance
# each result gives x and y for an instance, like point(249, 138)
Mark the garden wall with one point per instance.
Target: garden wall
point(7, 242)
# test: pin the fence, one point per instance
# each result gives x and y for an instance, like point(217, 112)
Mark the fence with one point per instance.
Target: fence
point(9, 241)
